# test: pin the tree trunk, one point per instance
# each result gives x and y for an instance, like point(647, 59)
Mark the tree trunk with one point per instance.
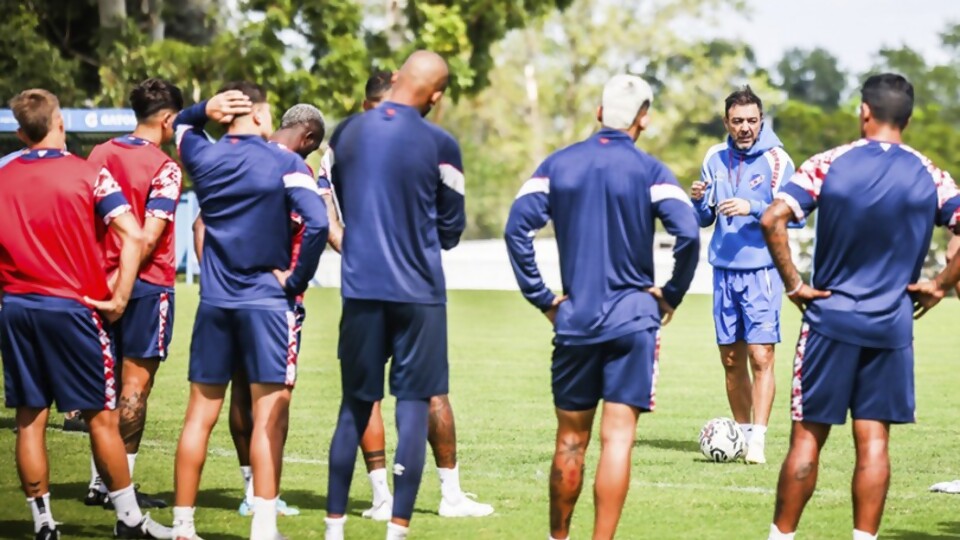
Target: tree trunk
point(154, 12)
point(112, 13)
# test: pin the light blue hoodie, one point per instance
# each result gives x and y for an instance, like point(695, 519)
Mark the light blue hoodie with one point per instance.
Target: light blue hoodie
point(756, 175)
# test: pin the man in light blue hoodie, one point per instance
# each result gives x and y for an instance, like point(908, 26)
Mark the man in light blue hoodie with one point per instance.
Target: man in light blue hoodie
point(738, 181)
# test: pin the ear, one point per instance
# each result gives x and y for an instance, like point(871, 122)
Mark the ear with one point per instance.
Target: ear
point(644, 120)
point(865, 112)
point(435, 97)
point(600, 114)
point(393, 77)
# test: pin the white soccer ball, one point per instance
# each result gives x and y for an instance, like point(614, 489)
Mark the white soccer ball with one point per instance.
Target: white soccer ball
point(722, 440)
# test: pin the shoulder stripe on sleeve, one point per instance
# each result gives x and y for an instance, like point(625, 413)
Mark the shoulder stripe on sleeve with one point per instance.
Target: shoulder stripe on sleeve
point(181, 131)
point(300, 180)
point(946, 187)
point(452, 178)
point(778, 160)
point(537, 184)
point(792, 203)
point(661, 192)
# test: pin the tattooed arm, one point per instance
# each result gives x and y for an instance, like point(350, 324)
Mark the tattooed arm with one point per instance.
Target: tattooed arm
point(774, 224)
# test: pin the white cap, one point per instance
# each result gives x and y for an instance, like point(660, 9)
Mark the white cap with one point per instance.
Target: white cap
point(622, 98)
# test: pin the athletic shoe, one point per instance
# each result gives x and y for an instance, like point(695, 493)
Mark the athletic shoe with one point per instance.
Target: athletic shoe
point(143, 500)
point(946, 487)
point(46, 533)
point(75, 423)
point(147, 528)
point(380, 512)
point(283, 509)
point(755, 453)
point(95, 497)
point(467, 506)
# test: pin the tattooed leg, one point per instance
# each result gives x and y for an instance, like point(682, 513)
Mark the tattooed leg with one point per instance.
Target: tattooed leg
point(798, 475)
point(137, 375)
point(566, 473)
point(32, 463)
point(442, 433)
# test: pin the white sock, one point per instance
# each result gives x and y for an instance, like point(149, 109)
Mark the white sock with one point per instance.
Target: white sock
point(378, 483)
point(264, 526)
point(42, 515)
point(397, 532)
point(552, 538)
point(183, 521)
point(747, 430)
point(247, 474)
point(95, 480)
point(758, 433)
point(335, 527)
point(131, 462)
point(775, 534)
point(450, 484)
point(125, 503)
point(860, 535)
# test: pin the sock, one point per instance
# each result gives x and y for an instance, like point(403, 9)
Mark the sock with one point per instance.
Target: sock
point(42, 515)
point(264, 526)
point(860, 535)
point(334, 528)
point(183, 521)
point(747, 430)
point(247, 474)
point(450, 483)
point(351, 423)
point(412, 418)
point(94, 474)
point(397, 532)
point(131, 461)
point(775, 534)
point(758, 433)
point(125, 503)
point(552, 538)
point(378, 483)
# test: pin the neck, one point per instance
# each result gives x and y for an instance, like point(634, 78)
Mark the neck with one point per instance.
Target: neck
point(402, 96)
point(284, 137)
point(52, 141)
point(884, 133)
point(243, 126)
point(153, 134)
point(633, 131)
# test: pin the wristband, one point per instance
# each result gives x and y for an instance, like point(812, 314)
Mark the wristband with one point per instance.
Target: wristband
point(796, 289)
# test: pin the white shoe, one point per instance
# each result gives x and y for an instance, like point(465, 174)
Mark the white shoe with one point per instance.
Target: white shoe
point(755, 453)
point(946, 487)
point(467, 506)
point(380, 512)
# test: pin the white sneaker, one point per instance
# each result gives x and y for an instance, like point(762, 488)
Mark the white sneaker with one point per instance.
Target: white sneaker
point(755, 453)
point(380, 512)
point(467, 506)
point(334, 528)
point(946, 487)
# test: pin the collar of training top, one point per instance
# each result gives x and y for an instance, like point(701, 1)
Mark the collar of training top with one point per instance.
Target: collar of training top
point(606, 135)
point(44, 153)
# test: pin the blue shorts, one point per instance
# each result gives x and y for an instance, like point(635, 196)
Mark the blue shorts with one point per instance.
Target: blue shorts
point(146, 328)
point(263, 342)
point(55, 349)
point(831, 377)
point(299, 315)
point(415, 335)
point(622, 370)
point(746, 305)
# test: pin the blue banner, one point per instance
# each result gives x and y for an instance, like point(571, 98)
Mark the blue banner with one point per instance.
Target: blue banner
point(83, 120)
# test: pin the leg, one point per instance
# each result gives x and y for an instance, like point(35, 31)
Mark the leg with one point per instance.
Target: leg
point(566, 472)
point(373, 443)
point(241, 416)
point(798, 475)
point(203, 410)
point(137, 375)
point(271, 414)
point(871, 478)
point(442, 433)
point(618, 427)
point(739, 388)
point(351, 422)
point(32, 463)
point(412, 420)
point(764, 383)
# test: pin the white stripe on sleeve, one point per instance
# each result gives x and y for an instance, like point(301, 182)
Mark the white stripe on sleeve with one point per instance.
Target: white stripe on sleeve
point(792, 203)
point(452, 178)
point(537, 184)
point(660, 192)
point(300, 180)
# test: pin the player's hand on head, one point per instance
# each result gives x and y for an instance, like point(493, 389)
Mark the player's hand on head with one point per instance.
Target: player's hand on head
point(925, 295)
point(805, 295)
point(111, 310)
point(734, 207)
point(224, 106)
point(698, 190)
point(551, 313)
point(666, 310)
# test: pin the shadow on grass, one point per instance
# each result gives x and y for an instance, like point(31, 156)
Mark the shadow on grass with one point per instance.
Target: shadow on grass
point(946, 529)
point(23, 529)
point(666, 444)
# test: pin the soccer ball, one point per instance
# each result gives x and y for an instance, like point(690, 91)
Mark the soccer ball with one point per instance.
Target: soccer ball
point(722, 441)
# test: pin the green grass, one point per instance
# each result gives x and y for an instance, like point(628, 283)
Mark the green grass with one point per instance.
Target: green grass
point(499, 350)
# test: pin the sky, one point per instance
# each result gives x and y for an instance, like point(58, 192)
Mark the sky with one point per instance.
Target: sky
point(853, 30)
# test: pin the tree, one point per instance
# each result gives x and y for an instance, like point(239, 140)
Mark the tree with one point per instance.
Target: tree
point(812, 77)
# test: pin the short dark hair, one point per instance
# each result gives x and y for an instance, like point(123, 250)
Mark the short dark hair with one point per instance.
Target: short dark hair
point(33, 110)
point(379, 82)
point(890, 97)
point(154, 95)
point(742, 96)
point(252, 90)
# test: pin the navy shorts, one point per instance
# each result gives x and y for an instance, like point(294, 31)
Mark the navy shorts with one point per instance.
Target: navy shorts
point(746, 305)
point(622, 370)
point(831, 377)
point(56, 350)
point(146, 328)
point(415, 335)
point(263, 342)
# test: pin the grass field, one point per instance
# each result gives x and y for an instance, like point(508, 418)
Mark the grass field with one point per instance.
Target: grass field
point(499, 350)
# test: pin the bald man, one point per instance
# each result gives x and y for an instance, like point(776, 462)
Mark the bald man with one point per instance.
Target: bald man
point(400, 183)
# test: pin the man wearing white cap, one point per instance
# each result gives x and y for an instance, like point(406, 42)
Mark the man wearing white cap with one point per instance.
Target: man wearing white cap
point(603, 195)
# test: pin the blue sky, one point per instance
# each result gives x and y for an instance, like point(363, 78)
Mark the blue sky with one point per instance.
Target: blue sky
point(851, 29)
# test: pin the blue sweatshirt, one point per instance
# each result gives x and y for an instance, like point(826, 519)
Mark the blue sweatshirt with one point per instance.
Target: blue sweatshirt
point(603, 195)
point(756, 175)
point(247, 189)
point(399, 181)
